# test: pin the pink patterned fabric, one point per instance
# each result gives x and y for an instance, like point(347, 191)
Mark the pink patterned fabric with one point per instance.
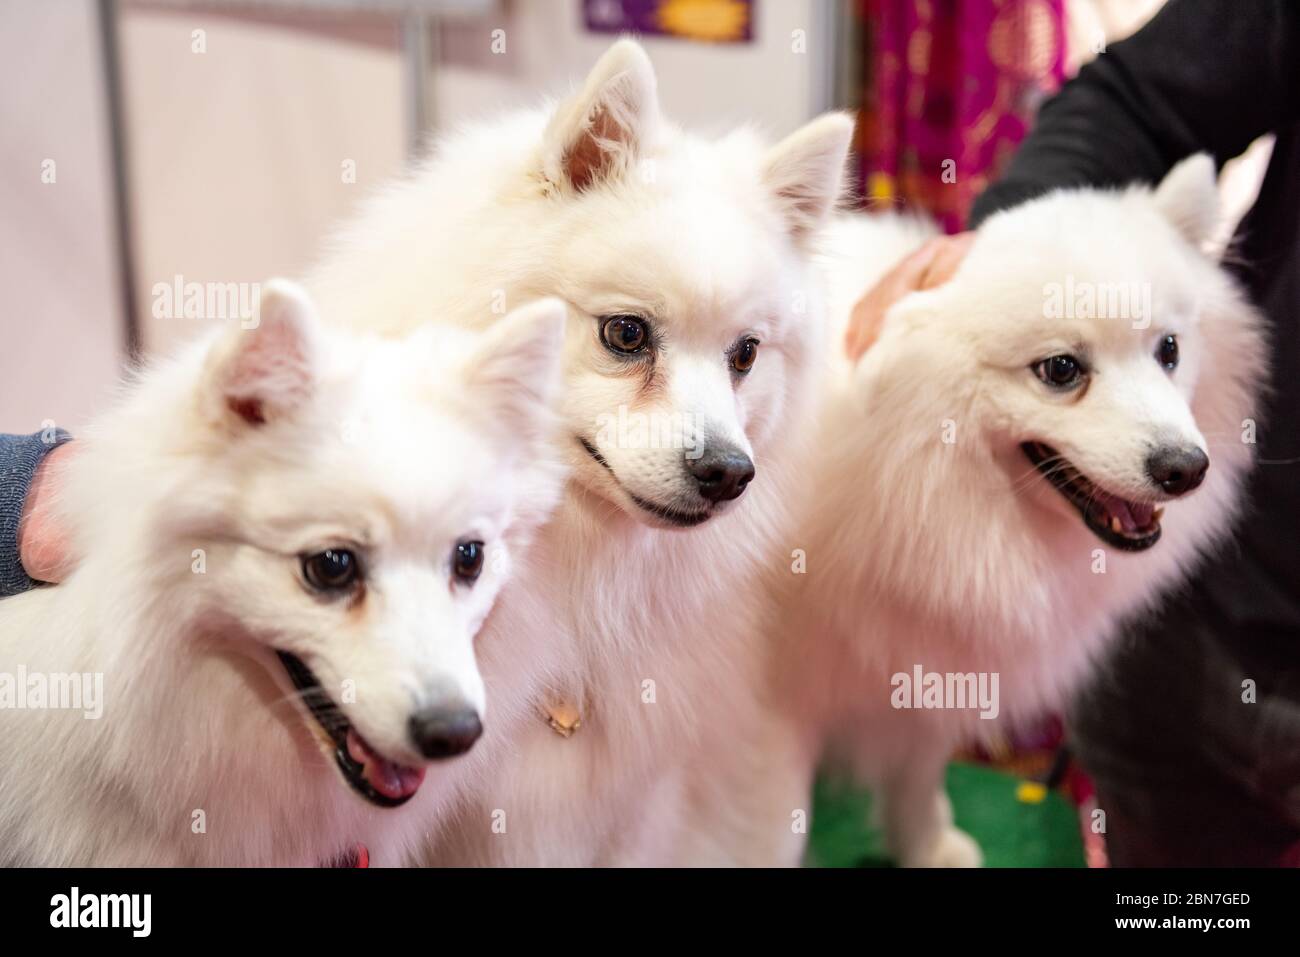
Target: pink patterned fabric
point(952, 88)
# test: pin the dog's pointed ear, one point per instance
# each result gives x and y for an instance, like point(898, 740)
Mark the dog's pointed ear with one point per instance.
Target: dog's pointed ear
point(514, 373)
point(805, 171)
point(1188, 197)
point(267, 371)
point(599, 133)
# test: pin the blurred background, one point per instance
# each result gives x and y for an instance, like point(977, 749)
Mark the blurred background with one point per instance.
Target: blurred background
point(145, 140)
point(147, 144)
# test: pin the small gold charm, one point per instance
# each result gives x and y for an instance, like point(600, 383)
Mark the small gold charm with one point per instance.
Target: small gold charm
point(564, 718)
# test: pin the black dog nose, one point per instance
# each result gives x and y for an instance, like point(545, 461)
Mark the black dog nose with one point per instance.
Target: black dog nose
point(1177, 470)
point(445, 732)
point(722, 472)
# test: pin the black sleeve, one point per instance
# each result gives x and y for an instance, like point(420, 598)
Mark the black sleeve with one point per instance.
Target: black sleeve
point(1208, 75)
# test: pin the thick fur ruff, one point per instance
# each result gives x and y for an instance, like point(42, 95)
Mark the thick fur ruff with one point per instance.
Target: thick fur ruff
point(641, 625)
point(932, 541)
point(189, 505)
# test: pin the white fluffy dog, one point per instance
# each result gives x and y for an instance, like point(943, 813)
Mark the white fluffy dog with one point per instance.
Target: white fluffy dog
point(288, 539)
point(1007, 474)
point(693, 331)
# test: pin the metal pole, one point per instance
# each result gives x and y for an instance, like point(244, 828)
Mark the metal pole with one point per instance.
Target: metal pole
point(120, 174)
point(416, 29)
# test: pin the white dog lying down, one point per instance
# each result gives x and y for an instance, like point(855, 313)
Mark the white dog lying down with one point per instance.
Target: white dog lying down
point(685, 267)
point(288, 541)
point(1007, 474)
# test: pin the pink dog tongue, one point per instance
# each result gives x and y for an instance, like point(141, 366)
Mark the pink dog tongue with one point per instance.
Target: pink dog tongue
point(1133, 516)
point(389, 779)
point(1142, 513)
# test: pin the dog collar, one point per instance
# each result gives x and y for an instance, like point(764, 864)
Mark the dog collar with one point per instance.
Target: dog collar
point(358, 855)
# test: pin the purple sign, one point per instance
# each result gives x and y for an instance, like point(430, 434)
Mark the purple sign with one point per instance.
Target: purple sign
point(709, 21)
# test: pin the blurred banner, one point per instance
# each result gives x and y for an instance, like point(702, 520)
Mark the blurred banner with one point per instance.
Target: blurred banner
point(714, 21)
point(951, 87)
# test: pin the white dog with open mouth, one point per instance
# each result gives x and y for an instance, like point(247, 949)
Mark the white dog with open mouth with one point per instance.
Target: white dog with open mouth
point(693, 331)
point(1029, 454)
point(288, 539)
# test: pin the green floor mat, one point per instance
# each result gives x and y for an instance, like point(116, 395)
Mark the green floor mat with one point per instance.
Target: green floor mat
point(1011, 832)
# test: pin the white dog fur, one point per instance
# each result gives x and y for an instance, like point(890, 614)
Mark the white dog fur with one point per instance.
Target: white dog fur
point(643, 628)
point(710, 676)
point(930, 538)
point(189, 505)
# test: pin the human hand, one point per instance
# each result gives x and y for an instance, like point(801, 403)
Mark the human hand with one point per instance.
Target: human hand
point(42, 545)
point(930, 266)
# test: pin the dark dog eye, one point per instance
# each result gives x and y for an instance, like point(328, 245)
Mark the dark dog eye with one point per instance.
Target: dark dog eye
point(467, 562)
point(742, 359)
point(1060, 372)
point(625, 334)
point(331, 570)
point(1167, 352)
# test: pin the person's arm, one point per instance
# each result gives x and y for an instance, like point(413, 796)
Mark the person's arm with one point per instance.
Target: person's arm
point(1203, 75)
point(21, 486)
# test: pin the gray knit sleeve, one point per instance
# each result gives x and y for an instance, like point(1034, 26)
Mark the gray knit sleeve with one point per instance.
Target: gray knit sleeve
point(20, 455)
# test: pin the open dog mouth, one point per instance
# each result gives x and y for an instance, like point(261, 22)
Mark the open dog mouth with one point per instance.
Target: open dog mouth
point(380, 781)
point(671, 516)
point(1131, 526)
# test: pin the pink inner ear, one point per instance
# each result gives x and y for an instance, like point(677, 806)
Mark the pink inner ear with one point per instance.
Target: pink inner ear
point(588, 161)
point(799, 200)
point(250, 410)
point(271, 371)
point(804, 208)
